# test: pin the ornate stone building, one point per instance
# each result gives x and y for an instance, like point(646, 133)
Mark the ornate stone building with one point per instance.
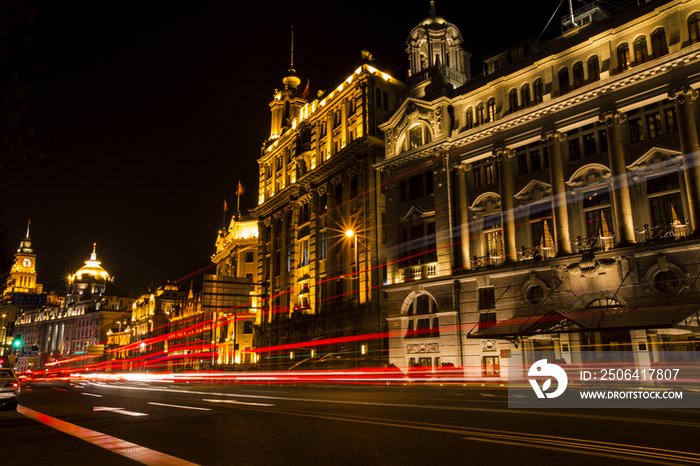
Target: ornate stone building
point(549, 208)
point(321, 213)
point(72, 328)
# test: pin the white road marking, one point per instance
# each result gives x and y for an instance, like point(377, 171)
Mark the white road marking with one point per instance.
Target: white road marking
point(130, 450)
point(239, 402)
point(177, 406)
point(91, 394)
point(119, 411)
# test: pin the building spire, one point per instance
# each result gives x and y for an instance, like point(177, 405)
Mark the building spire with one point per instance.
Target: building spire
point(432, 8)
point(291, 66)
point(29, 222)
point(93, 256)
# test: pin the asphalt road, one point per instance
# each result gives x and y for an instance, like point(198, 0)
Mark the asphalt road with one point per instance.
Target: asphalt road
point(92, 424)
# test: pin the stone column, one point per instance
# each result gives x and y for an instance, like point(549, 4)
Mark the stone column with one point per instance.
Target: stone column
point(559, 204)
point(461, 171)
point(505, 155)
point(620, 183)
point(443, 211)
point(344, 122)
point(683, 98)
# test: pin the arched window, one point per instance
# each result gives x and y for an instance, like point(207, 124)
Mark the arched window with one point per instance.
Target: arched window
point(416, 136)
point(469, 118)
point(593, 69)
point(491, 109)
point(623, 57)
point(539, 91)
point(480, 117)
point(694, 27)
point(525, 92)
point(658, 43)
point(563, 80)
point(578, 75)
point(640, 50)
point(513, 98)
point(421, 322)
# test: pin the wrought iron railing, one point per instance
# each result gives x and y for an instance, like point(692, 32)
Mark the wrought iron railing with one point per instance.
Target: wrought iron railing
point(668, 231)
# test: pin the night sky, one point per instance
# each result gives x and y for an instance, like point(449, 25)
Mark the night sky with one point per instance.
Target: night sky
point(150, 111)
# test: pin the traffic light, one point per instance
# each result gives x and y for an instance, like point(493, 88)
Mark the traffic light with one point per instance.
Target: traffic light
point(17, 343)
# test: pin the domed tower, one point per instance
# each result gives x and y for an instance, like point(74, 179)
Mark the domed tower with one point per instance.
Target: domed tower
point(436, 56)
point(90, 278)
point(287, 102)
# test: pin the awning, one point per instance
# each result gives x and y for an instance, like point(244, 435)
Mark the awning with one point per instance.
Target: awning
point(593, 319)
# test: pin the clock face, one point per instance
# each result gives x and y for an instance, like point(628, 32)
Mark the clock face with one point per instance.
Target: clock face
point(26, 262)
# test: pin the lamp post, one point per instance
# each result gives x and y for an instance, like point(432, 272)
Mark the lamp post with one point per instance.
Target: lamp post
point(351, 234)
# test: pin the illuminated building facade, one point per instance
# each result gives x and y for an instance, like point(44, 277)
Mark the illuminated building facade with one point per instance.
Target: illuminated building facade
point(320, 214)
point(74, 326)
point(150, 316)
point(237, 257)
point(22, 291)
point(551, 205)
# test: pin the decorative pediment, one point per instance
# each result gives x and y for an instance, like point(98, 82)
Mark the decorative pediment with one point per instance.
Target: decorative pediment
point(656, 159)
point(415, 213)
point(589, 174)
point(486, 204)
point(534, 191)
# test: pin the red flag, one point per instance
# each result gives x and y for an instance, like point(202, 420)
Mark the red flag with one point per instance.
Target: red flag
point(305, 94)
point(225, 206)
point(240, 189)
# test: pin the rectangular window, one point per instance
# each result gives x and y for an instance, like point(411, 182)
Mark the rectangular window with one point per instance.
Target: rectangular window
point(247, 327)
point(671, 124)
point(477, 177)
point(522, 164)
point(589, 144)
point(666, 210)
point(654, 125)
point(574, 149)
point(385, 96)
point(289, 259)
point(603, 137)
point(487, 299)
point(402, 191)
point(304, 249)
point(429, 182)
point(486, 320)
point(323, 245)
point(535, 161)
point(491, 366)
point(249, 256)
point(489, 174)
point(636, 131)
point(415, 187)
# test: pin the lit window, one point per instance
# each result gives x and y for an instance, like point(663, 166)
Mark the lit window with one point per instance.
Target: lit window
point(640, 50)
point(623, 58)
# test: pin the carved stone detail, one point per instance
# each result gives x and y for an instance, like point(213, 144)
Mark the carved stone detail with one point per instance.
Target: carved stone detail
point(550, 137)
point(609, 118)
point(680, 95)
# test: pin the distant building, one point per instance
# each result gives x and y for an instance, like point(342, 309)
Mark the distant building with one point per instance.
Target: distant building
point(72, 328)
point(236, 257)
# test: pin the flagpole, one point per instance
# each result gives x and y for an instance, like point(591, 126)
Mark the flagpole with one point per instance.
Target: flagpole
point(223, 222)
point(238, 203)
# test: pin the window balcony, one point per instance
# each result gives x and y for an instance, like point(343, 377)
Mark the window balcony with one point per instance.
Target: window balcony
point(480, 262)
point(668, 231)
point(418, 272)
point(594, 243)
point(536, 253)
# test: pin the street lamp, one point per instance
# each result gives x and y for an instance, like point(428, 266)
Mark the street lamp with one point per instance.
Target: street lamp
point(351, 234)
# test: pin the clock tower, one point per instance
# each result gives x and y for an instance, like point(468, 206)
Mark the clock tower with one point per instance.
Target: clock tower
point(23, 273)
